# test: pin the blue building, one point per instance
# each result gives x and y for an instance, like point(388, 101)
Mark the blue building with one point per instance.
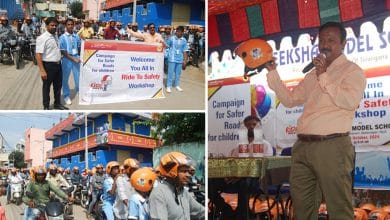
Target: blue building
point(111, 137)
point(165, 12)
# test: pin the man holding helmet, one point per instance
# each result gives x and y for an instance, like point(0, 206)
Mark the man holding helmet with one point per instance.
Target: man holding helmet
point(39, 192)
point(169, 200)
point(124, 189)
point(109, 188)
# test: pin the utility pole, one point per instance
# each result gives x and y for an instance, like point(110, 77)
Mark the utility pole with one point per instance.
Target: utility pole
point(86, 139)
point(134, 10)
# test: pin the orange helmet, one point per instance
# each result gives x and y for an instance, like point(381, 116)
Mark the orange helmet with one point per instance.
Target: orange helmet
point(110, 165)
point(3, 18)
point(360, 214)
point(52, 167)
point(37, 170)
point(255, 53)
point(143, 179)
point(386, 209)
point(60, 169)
point(379, 215)
point(131, 163)
point(170, 162)
point(368, 207)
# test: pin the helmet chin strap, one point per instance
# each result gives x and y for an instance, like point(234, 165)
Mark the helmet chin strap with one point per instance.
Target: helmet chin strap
point(253, 71)
point(175, 183)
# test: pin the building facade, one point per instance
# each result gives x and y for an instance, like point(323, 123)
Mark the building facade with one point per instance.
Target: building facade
point(163, 12)
point(36, 147)
point(110, 137)
point(92, 9)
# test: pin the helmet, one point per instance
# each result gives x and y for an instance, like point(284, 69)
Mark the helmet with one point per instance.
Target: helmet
point(131, 163)
point(368, 207)
point(360, 214)
point(3, 18)
point(170, 162)
point(255, 53)
point(143, 179)
point(379, 215)
point(60, 169)
point(76, 168)
point(99, 166)
point(52, 167)
point(38, 170)
point(386, 209)
point(110, 165)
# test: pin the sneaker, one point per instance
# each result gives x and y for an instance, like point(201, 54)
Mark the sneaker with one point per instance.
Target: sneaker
point(179, 89)
point(169, 90)
point(68, 101)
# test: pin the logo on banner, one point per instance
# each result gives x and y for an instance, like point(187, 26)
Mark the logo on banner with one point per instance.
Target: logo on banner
point(104, 84)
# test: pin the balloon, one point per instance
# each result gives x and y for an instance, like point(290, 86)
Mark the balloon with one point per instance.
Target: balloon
point(264, 107)
point(260, 92)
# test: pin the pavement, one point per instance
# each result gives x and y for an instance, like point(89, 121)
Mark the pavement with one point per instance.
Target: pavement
point(22, 90)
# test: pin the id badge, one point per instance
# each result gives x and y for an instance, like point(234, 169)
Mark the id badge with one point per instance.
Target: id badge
point(75, 51)
point(177, 52)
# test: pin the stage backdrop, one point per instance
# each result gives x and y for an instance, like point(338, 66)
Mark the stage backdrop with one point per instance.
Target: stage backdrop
point(371, 126)
point(120, 71)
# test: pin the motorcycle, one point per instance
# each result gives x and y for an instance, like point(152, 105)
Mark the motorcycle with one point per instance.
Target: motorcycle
point(54, 209)
point(28, 45)
point(10, 51)
point(193, 54)
point(3, 181)
point(97, 210)
point(84, 197)
point(16, 193)
point(77, 193)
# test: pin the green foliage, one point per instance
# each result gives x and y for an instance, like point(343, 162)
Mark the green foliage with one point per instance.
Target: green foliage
point(77, 9)
point(180, 128)
point(18, 158)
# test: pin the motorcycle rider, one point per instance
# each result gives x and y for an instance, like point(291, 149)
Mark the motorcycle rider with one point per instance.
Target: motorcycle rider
point(109, 188)
point(55, 178)
point(13, 178)
point(168, 199)
point(124, 189)
point(97, 186)
point(5, 31)
point(28, 27)
point(68, 175)
point(142, 180)
point(76, 179)
point(40, 189)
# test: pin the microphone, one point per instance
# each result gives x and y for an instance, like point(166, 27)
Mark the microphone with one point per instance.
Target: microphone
point(311, 65)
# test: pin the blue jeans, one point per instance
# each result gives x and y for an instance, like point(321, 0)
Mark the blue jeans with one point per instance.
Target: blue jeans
point(31, 213)
point(68, 66)
point(108, 210)
point(174, 71)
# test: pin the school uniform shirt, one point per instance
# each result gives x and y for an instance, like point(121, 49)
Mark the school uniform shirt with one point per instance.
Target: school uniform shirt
point(48, 46)
point(163, 204)
point(138, 207)
point(177, 46)
point(70, 43)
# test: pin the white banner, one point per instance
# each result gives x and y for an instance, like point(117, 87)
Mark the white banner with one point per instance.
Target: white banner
point(229, 103)
point(120, 71)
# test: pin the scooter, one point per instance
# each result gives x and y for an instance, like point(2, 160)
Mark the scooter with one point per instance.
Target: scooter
point(16, 193)
point(53, 210)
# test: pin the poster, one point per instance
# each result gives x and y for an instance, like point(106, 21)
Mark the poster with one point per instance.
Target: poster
point(120, 71)
point(228, 104)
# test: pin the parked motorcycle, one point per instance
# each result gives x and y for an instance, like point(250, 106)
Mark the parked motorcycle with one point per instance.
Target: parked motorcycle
point(16, 193)
point(193, 54)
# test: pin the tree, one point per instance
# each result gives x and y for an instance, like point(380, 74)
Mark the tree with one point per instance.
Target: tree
point(77, 9)
point(180, 127)
point(18, 158)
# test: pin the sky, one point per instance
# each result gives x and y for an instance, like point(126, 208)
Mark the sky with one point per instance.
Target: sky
point(13, 125)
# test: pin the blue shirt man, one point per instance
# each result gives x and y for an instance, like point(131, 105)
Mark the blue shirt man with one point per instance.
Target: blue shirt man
point(177, 58)
point(70, 43)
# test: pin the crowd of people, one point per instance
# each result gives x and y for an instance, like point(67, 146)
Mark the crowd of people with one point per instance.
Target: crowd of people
point(127, 191)
point(59, 42)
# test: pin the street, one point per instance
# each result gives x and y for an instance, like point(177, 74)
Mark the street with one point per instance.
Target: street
point(14, 212)
point(22, 90)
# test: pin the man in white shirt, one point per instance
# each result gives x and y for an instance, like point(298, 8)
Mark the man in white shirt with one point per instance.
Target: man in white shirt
point(13, 178)
point(48, 56)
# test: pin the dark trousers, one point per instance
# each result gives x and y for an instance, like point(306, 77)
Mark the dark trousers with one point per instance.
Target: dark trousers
point(54, 76)
point(95, 197)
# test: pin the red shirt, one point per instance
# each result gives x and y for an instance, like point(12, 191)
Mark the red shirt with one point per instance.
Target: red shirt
point(110, 33)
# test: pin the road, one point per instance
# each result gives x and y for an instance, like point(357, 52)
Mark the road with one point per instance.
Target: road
point(22, 90)
point(14, 212)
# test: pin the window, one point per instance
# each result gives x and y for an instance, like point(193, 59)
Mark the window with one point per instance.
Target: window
point(140, 158)
point(127, 127)
point(82, 156)
point(93, 154)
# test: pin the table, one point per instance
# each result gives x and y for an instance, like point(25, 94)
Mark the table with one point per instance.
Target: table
point(255, 167)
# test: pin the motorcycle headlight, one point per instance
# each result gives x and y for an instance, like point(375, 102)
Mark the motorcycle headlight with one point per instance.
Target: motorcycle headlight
point(12, 42)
